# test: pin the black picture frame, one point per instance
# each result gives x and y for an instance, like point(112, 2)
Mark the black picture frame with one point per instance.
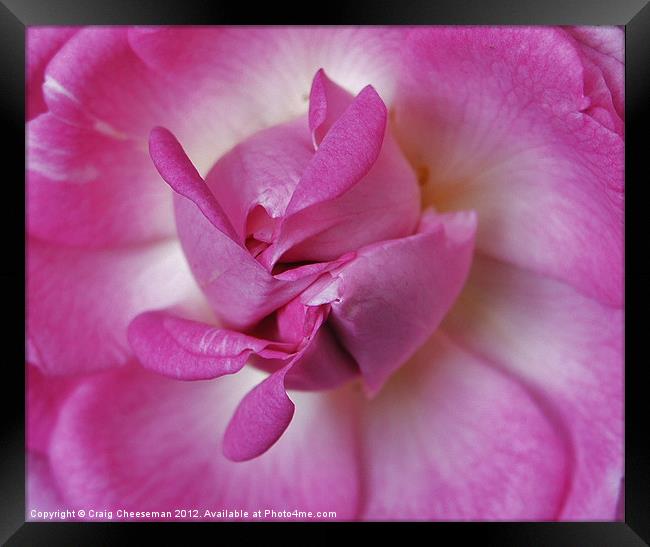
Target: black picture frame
point(634, 15)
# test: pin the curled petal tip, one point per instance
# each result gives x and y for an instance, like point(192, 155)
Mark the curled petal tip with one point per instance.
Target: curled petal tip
point(177, 170)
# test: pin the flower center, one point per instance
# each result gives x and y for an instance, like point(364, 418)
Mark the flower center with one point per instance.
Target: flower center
point(309, 244)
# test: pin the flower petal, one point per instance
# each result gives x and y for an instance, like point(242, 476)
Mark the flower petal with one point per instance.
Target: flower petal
point(327, 102)
point(321, 363)
point(189, 350)
point(260, 419)
point(568, 350)
point(240, 290)
point(44, 398)
point(41, 490)
point(385, 204)
point(262, 170)
point(85, 188)
point(237, 81)
point(97, 81)
point(266, 411)
point(42, 44)
point(237, 286)
point(448, 438)
point(394, 294)
point(602, 50)
point(80, 302)
point(324, 364)
point(176, 168)
point(345, 156)
point(122, 431)
point(492, 118)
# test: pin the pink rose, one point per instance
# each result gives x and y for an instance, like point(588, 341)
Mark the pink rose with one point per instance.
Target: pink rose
point(232, 231)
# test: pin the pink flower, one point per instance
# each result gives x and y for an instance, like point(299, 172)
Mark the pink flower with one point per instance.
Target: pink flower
point(433, 214)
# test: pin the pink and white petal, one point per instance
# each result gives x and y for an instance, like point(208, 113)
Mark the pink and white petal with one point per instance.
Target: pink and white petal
point(45, 395)
point(448, 438)
point(297, 322)
point(177, 170)
point(240, 290)
point(97, 81)
point(493, 120)
point(346, 154)
point(262, 170)
point(123, 433)
point(324, 364)
point(237, 286)
point(568, 350)
point(394, 294)
point(237, 81)
point(42, 44)
point(321, 363)
point(327, 102)
point(260, 419)
point(344, 187)
point(265, 170)
point(258, 58)
point(85, 188)
point(80, 302)
point(604, 49)
point(385, 204)
point(41, 491)
point(606, 40)
point(265, 412)
point(190, 350)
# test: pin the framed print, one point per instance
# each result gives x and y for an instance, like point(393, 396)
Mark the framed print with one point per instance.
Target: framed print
point(328, 273)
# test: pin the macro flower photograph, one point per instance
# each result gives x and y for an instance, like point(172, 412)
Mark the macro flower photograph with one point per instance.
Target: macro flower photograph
point(324, 273)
